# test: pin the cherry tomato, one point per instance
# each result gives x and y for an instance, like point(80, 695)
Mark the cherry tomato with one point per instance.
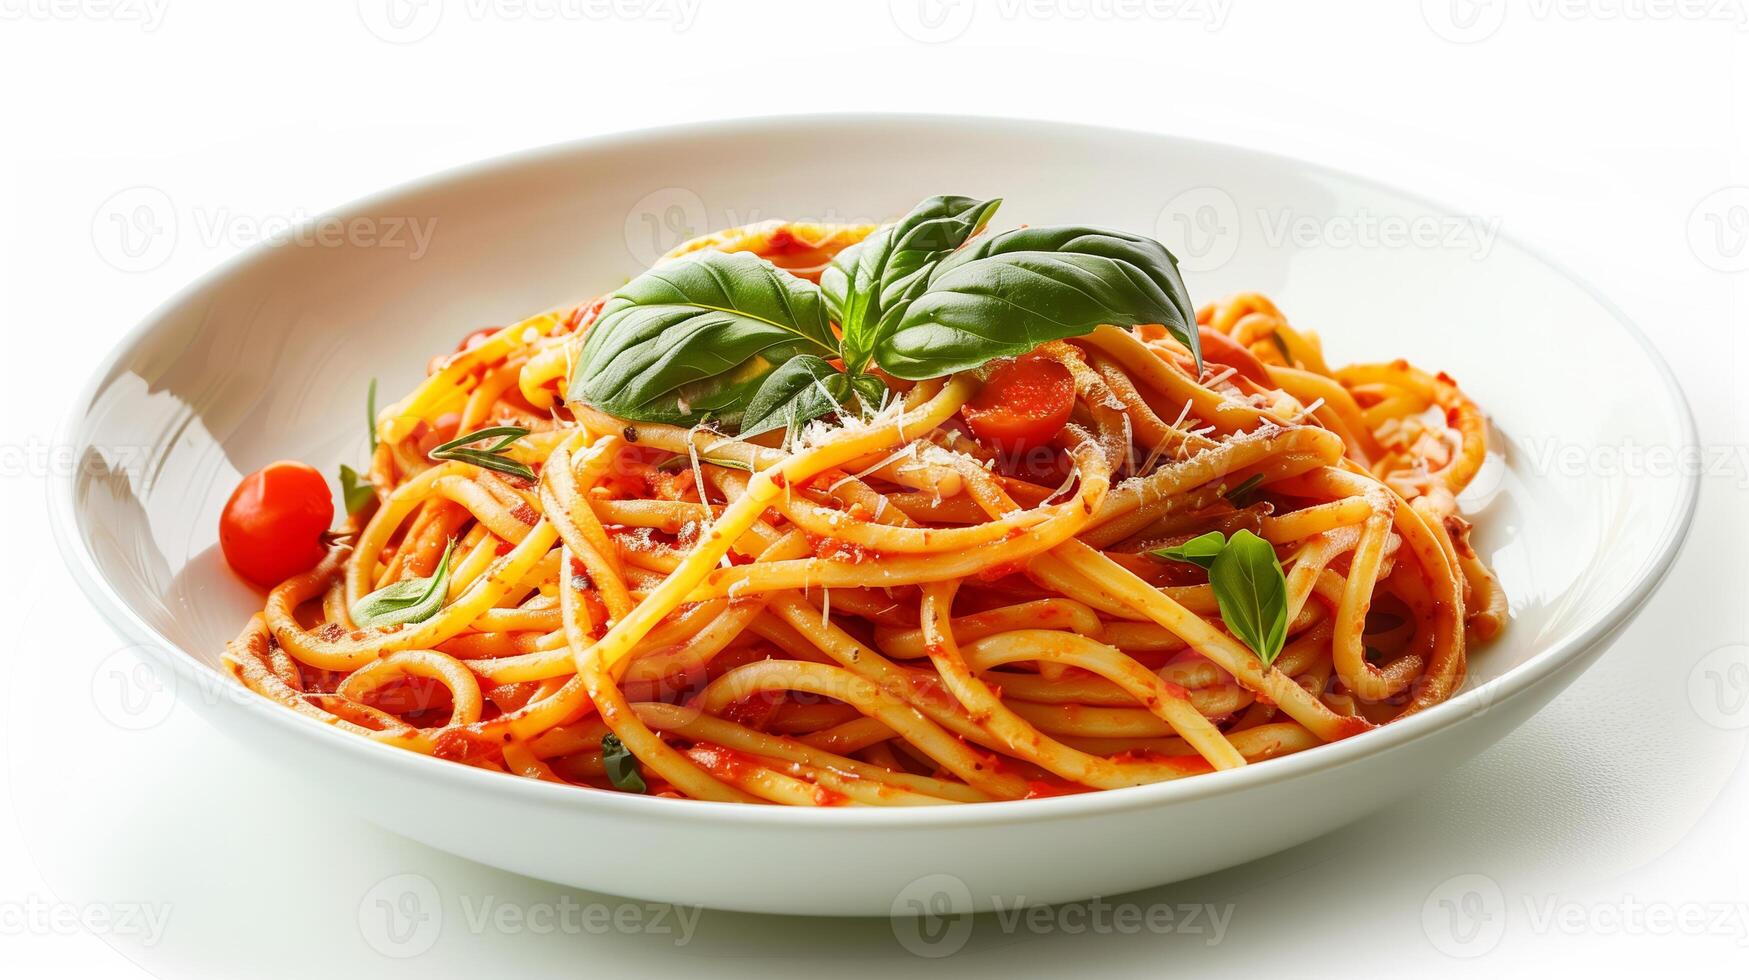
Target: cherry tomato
point(272, 526)
point(1024, 402)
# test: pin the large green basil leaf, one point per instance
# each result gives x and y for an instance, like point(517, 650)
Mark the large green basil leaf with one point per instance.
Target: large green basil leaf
point(1006, 294)
point(806, 388)
point(892, 265)
point(695, 337)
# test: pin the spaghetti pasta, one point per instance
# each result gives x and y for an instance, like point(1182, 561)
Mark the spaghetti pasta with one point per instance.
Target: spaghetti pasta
point(894, 606)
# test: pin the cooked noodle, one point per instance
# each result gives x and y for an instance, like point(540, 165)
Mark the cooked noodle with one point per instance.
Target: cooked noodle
point(888, 610)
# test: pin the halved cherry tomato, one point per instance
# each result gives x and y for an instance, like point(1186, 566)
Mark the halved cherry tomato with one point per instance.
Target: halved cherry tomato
point(1024, 402)
point(272, 526)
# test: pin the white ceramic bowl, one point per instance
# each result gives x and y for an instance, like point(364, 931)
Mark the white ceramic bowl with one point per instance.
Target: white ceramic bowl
point(269, 357)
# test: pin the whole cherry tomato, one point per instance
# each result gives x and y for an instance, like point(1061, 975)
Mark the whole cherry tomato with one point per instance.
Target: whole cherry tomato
point(272, 526)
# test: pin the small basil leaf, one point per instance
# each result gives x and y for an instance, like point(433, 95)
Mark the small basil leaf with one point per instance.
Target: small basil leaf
point(696, 336)
point(412, 600)
point(622, 766)
point(462, 450)
point(1003, 295)
point(803, 389)
point(1200, 550)
point(355, 491)
point(1251, 590)
point(892, 265)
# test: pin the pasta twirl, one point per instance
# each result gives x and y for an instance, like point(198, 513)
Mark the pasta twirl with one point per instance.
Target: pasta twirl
point(1003, 581)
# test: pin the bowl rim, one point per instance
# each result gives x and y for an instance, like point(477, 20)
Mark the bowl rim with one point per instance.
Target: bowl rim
point(190, 669)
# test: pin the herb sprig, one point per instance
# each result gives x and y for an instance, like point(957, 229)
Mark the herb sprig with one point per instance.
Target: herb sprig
point(356, 491)
point(1241, 495)
point(370, 414)
point(491, 457)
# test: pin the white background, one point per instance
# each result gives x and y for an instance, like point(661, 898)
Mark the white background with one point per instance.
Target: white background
point(1605, 835)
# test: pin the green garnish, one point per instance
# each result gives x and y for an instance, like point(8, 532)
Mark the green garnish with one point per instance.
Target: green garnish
point(1240, 496)
point(622, 766)
point(355, 491)
point(492, 457)
point(1200, 550)
point(412, 600)
point(1249, 584)
point(370, 417)
point(730, 336)
point(675, 464)
point(1281, 345)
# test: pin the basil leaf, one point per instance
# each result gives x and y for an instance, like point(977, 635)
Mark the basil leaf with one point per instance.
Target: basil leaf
point(412, 600)
point(1200, 550)
point(491, 457)
point(1251, 590)
point(1003, 295)
point(696, 336)
point(892, 265)
point(355, 491)
point(806, 388)
point(622, 766)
